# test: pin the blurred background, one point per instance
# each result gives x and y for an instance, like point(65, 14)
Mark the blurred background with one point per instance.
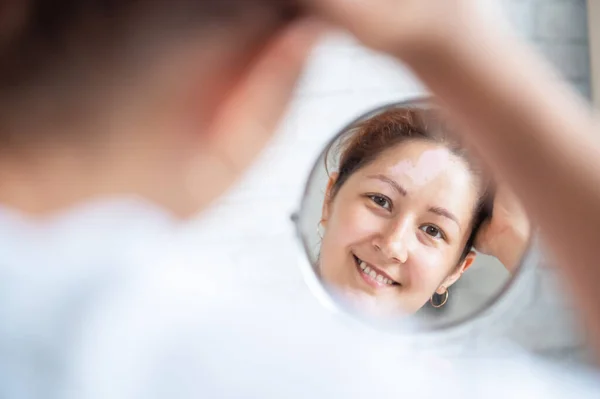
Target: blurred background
point(343, 80)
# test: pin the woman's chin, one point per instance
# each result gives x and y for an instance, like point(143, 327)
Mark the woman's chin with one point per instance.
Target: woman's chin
point(358, 296)
point(369, 305)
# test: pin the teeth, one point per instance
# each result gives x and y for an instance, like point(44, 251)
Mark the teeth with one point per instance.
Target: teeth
point(373, 274)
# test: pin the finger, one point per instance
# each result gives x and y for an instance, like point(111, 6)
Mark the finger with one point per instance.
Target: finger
point(353, 15)
point(254, 110)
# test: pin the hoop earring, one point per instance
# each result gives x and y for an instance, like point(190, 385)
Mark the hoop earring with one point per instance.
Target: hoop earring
point(319, 229)
point(438, 303)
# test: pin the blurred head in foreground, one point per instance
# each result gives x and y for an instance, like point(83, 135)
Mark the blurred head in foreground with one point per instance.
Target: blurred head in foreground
point(164, 100)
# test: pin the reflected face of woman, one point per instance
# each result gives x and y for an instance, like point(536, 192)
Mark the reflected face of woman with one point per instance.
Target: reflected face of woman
point(395, 230)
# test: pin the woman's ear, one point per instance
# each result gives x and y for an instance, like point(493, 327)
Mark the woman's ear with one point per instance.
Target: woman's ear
point(326, 211)
point(457, 274)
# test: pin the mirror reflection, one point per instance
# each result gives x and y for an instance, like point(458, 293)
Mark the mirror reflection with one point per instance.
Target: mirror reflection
point(400, 218)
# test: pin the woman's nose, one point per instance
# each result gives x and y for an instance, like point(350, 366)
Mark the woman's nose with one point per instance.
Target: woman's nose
point(394, 243)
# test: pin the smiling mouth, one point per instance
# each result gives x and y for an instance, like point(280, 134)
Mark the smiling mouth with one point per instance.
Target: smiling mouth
point(373, 275)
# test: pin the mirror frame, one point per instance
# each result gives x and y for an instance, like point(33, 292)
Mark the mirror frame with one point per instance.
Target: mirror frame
point(515, 289)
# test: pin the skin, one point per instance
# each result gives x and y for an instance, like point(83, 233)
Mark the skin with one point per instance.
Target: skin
point(506, 236)
point(407, 214)
point(530, 126)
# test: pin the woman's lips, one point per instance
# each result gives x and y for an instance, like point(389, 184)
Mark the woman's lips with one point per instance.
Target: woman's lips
point(372, 275)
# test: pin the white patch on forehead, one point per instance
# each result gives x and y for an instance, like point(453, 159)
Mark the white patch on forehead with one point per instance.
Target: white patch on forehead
point(429, 166)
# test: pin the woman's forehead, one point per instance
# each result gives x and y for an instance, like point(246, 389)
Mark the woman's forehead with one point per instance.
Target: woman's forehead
point(419, 163)
point(426, 172)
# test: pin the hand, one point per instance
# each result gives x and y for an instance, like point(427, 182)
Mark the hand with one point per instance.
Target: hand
point(507, 234)
point(411, 28)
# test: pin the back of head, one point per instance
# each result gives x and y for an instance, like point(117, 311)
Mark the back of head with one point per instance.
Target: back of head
point(130, 92)
point(57, 57)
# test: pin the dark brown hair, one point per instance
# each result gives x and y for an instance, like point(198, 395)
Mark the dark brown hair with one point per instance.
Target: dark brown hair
point(51, 50)
point(363, 142)
point(34, 33)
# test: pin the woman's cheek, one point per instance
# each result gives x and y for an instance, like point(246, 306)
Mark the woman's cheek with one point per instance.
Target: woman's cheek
point(428, 269)
point(358, 220)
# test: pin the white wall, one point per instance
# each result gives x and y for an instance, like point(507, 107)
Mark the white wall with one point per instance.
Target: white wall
point(251, 227)
point(594, 44)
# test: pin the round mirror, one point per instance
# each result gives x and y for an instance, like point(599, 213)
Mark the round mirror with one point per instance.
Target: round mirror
point(401, 221)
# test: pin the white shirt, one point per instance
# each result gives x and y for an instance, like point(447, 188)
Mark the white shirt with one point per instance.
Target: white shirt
point(102, 302)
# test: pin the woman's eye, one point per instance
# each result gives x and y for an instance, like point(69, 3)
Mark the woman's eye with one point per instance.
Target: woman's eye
point(433, 231)
point(381, 201)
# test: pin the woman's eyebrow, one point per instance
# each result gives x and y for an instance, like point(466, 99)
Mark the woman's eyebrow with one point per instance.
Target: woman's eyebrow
point(445, 213)
point(401, 190)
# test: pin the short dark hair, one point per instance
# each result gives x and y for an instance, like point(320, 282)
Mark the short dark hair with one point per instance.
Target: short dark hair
point(33, 33)
point(55, 43)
